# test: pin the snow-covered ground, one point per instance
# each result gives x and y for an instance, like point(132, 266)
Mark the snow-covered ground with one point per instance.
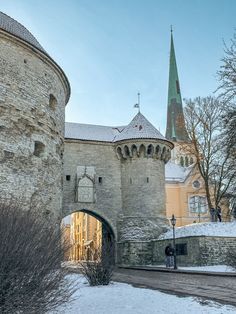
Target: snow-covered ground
point(119, 298)
point(217, 229)
point(214, 268)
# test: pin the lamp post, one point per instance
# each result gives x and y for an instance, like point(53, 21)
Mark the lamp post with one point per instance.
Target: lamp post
point(173, 222)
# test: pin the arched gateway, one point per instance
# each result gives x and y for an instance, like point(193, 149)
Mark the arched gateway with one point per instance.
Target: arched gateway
point(117, 174)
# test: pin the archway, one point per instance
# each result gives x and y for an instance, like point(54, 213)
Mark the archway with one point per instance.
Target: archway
point(89, 236)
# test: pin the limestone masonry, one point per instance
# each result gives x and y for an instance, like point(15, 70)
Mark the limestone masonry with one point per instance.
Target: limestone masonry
point(33, 94)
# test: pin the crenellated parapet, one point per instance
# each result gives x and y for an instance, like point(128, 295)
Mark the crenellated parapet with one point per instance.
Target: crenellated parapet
point(143, 149)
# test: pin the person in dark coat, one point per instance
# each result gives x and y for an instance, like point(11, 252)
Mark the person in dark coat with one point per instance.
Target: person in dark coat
point(219, 214)
point(213, 214)
point(169, 253)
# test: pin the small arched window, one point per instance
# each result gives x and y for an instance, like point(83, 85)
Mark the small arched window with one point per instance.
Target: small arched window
point(126, 150)
point(186, 162)
point(52, 102)
point(142, 150)
point(150, 150)
point(119, 152)
point(182, 161)
point(134, 150)
point(158, 151)
point(191, 160)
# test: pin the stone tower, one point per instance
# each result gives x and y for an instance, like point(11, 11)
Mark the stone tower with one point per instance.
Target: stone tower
point(175, 128)
point(33, 94)
point(143, 152)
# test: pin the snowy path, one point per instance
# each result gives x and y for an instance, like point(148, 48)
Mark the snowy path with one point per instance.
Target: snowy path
point(119, 298)
point(222, 289)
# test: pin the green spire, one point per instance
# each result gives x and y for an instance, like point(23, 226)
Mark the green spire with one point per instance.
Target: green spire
point(175, 129)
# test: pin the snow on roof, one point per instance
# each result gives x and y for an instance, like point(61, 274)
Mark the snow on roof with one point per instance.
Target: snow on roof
point(210, 229)
point(139, 128)
point(91, 132)
point(174, 172)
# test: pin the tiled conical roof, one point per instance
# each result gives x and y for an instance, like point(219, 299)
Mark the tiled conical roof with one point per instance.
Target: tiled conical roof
point(139, 128)
point(11, 26)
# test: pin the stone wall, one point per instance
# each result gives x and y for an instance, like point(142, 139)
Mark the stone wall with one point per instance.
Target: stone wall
point(33, 94)
point(193, 250)
point(107, 199)
point(132, 253)
point(201, 251)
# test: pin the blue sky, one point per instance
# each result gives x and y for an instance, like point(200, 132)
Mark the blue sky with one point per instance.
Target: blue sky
point(111, 49)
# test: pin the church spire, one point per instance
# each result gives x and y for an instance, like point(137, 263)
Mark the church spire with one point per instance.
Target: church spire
point(175, 130)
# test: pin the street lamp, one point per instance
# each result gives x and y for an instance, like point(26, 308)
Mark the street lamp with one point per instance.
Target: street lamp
point(173, 222)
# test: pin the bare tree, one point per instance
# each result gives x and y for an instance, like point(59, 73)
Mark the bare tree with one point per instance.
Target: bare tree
point(204, 123)
point(229, 121)
point(227, 73)
point(227, 88)
point(31, 252)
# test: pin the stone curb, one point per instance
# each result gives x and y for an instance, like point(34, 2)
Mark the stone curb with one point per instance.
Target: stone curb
point(179, 271)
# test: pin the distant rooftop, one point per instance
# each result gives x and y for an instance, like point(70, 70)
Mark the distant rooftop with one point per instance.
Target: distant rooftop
point(13, 27)
point(210, 229)
point(138, 128)
point(176, 173)
point(90, 132)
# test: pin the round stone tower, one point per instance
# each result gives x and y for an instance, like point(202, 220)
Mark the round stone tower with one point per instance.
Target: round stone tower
point(143, 152)
point(33, 94)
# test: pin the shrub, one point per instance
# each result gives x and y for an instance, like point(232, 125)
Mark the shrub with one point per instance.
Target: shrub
point(31, 277)
point(99, 272)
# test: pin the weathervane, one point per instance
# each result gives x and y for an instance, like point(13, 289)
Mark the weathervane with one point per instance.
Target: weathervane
point(138, 103)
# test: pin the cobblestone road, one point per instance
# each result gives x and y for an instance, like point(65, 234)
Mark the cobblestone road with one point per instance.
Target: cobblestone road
point(218, 288)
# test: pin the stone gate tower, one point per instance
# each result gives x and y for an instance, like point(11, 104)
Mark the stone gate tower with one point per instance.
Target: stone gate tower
point(33, 94)
point(143, 152)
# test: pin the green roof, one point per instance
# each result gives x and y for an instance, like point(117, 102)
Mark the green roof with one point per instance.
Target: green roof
point(175, 130)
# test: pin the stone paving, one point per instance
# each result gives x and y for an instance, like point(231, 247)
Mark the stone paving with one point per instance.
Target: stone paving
point(215, 287)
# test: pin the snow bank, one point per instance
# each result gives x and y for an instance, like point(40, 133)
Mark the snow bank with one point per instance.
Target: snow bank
point(214, 268)
point(120, 298)
point(214, 229)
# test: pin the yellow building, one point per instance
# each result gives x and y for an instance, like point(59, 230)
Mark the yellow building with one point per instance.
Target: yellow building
point(185, 195)
point(85, 235)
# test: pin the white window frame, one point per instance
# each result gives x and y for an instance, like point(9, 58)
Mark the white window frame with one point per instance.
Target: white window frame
point(198, 205)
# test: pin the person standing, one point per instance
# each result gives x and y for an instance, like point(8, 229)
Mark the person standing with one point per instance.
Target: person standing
point(213, 214)
point(169, 253)
point(219, 214)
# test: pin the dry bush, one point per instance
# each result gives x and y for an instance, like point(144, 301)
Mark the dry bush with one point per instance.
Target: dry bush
point(99, 272)
point(31, 252)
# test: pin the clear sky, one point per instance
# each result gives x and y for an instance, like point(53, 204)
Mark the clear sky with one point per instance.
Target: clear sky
point(111, 49)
